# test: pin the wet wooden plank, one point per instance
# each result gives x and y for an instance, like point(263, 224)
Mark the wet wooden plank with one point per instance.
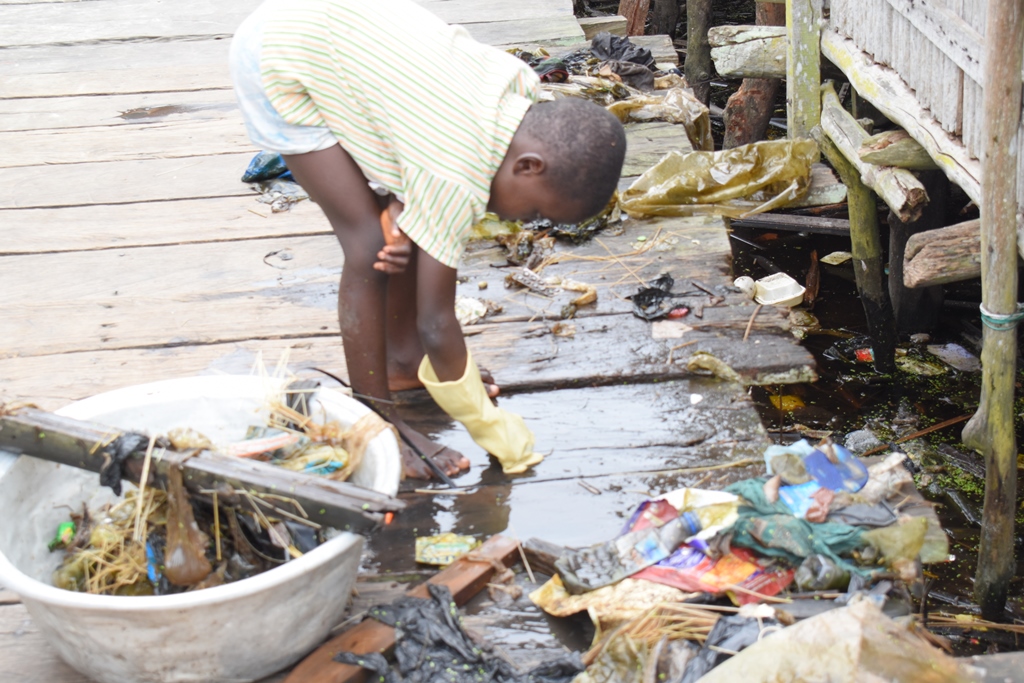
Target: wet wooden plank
point(647, 143)
point(151, 140)
point(103, 226)
point(116, 110)
point(123, 182)
point(119, 20)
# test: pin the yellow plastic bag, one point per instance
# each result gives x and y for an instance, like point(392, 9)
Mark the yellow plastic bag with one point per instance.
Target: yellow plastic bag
point(676, 106)
point(737, 182)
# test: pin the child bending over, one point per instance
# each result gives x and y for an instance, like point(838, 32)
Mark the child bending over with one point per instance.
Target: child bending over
point(378, 104)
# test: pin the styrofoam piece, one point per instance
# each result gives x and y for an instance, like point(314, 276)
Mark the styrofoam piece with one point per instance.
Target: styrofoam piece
point(234, 633)
point(745, 284)
point(778, 289)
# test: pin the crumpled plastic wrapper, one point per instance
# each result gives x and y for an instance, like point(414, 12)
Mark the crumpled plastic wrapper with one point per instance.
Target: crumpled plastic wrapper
point(603, 91)
point(736, 183)
point(676, 106)
point(608, 606)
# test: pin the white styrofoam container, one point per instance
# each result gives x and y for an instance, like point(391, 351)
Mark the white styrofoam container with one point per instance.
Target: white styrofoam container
point(237, 632)
point(778, 289)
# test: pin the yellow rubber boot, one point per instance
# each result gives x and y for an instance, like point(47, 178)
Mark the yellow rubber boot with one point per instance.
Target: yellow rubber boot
point(501, 433)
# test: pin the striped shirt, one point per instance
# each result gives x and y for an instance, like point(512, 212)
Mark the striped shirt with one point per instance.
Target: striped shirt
point(421, 107)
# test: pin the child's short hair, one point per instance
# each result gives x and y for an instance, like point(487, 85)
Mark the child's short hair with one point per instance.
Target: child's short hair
point(586, 144)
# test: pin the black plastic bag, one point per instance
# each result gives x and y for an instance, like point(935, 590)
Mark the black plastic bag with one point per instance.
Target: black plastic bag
point(432, 647)
point(619, 48)
point(730, 634)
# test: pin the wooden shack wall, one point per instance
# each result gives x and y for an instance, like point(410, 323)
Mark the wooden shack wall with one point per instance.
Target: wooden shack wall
point(936, 46)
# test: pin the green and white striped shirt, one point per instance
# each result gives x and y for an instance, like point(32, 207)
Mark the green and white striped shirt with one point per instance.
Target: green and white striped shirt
point(423, 109)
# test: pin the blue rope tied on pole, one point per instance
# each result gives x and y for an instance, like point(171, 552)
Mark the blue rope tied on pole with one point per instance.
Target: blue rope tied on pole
point(1001, 323)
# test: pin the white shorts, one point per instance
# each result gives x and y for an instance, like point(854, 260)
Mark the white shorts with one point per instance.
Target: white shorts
point(266, 128)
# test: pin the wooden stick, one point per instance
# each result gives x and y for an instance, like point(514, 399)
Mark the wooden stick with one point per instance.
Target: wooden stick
point(70, 442)
point(750, 323)
point(918, 434)
point(991, 430)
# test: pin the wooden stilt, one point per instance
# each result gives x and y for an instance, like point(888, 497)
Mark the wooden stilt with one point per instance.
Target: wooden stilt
point(803, 66)
point(991, 429)
point(635, 12)
point(917, 309)
point(664, 17)
point(867, 255)
point(698, 50)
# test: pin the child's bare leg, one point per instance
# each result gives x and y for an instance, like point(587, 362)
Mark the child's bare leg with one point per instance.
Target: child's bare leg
point(336, 184)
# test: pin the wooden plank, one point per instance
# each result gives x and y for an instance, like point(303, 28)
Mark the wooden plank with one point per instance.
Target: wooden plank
point(90, 22)
point(103, 226)
point(185, 78)
point(749, 51)
point(944, 255)
point(813, 224)
point(464, 577)
point(53, 381)
point(616, 25)
point(603, 432)
point(156, 140)
point(123, 57)
point(116, 110)
point(647, 143)
point(122, 182)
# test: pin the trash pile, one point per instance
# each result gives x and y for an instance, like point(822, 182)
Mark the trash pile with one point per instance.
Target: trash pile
point(156, 542)
point(163, 541)
point(805, 574)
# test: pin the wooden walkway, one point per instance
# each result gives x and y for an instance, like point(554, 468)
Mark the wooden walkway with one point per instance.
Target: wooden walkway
point(133, 253)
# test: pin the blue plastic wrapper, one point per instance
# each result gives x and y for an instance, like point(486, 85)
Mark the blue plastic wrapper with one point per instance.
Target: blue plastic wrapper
point(848, 474)
point(265, 166)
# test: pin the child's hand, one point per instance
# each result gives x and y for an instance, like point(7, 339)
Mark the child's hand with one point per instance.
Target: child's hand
point(394, 257)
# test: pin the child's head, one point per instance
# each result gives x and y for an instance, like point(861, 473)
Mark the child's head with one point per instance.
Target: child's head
point(563, 164)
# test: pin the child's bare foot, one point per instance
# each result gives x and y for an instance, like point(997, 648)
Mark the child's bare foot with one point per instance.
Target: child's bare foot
point(450, 461)
point(400, 379)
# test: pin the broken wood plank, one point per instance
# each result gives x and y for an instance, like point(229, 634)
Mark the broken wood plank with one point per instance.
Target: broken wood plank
point(91, 446)
point(944, 255)
point(896, 148)
point(825, 189)
point(616, 25)
point(647, 143)
point(898, 188)
point(749, 51)
point(465, 578)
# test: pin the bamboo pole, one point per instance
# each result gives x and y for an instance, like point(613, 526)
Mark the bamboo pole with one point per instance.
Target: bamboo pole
point(803, 66)
point(866, 246)
point(991, 429)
